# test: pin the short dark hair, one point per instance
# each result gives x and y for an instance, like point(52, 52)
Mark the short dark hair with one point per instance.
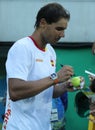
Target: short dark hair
point(52, 13)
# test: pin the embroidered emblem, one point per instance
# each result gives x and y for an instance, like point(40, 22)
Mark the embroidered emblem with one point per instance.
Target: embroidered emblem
point(52, 62)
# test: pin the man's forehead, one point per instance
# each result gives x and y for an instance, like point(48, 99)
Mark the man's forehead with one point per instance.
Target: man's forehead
point(61, 24)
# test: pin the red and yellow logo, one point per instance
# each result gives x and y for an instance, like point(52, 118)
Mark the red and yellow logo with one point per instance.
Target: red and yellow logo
point(52, 62)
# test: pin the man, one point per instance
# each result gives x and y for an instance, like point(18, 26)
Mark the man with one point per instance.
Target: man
point(32, 80)
point(93, 48)
point(92, 88)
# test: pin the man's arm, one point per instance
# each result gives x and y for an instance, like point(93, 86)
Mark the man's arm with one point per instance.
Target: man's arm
point(20, 89)
point(59, 89)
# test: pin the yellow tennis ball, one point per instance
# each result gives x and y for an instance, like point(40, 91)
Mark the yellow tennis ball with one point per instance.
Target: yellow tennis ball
point(75, 81)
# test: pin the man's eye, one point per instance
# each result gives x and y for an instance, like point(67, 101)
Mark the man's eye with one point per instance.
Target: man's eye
point(60, 29)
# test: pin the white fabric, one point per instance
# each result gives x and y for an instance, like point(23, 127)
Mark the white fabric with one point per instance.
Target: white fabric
point(25, 61)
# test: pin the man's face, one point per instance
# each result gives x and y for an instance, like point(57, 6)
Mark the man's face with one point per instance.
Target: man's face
point(53, 32)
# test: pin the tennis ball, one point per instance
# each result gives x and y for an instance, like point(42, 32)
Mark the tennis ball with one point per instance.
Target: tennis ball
point(75, 81)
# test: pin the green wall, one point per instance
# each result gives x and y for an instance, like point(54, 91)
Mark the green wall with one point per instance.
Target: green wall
point(80, 59)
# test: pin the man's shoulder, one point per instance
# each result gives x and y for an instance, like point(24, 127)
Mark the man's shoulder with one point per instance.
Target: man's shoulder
point(51, 49)
point(21, 45)
point(23, 42)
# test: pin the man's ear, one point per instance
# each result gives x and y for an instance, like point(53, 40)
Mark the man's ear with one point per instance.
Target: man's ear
point(43, 22)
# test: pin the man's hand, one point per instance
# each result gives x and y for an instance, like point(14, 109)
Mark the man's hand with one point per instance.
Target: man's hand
point(73, 88)
point(92, 108)
point(65, 73)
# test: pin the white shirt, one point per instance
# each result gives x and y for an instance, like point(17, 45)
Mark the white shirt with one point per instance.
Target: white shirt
point(26, 61)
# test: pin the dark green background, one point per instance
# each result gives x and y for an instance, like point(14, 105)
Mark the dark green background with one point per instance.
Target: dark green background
point(81, 59)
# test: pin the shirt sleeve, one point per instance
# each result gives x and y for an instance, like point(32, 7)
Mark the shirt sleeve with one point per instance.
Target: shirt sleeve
point(18, 62)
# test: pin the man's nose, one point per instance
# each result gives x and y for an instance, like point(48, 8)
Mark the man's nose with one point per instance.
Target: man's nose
point(62, 34)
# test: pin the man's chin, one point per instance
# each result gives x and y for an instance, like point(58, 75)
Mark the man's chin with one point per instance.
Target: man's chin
point(55, 42)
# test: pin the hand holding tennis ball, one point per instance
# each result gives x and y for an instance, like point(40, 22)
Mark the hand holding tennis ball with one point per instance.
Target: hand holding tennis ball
point(76, 83)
